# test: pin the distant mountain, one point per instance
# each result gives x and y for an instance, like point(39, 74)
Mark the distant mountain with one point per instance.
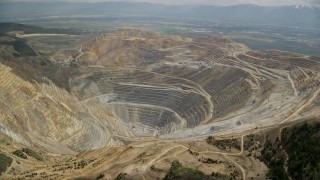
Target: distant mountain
point(7, 27)
point(300, 15)
point(29, 29)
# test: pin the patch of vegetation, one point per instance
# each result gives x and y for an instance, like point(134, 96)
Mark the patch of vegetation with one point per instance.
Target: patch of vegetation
point(210, 161)
point(224, 144)
point(23, 49)
point(81, 164)
point(20, 154)
point(154, 168)
point(301, 143)
point(193, 152)
point(32, 153)
point(101, 176)
point(303, 148)
point(179, 172)
point(121, 176)
point(251, 143)
point(218, 175)
point(31, 175)
point(5, 162)
point(273, 156)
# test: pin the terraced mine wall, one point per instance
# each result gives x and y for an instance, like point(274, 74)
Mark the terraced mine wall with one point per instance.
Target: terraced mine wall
point(132, 84)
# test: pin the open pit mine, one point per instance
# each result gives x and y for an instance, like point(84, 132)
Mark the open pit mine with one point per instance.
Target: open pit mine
point(128, 103)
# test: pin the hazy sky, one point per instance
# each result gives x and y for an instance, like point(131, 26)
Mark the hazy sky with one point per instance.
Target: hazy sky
point(213, 2)
point(229, 2)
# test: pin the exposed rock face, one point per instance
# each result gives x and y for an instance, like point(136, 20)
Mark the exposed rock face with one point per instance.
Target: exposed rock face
point(37, 111)
point(136, 83)
point(128, 48)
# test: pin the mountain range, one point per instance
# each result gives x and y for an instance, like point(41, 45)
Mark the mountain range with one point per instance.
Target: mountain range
point(301, 15)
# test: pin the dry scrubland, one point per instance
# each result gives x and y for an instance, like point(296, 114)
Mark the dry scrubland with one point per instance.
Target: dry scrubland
point(133, 101)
